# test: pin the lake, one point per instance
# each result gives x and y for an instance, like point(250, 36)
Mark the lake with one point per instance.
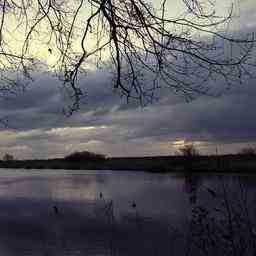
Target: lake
point(59, 212)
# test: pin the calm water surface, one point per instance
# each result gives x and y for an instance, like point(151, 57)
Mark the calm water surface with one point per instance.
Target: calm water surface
point(57, 212)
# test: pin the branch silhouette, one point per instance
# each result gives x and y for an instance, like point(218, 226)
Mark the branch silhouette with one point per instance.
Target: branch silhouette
point(143, 45)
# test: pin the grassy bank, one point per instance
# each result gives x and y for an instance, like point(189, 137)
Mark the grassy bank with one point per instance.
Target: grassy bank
point(225, 163)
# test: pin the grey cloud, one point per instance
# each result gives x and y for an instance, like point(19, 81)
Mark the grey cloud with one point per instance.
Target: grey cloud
point(129, 129)
point(226, 119)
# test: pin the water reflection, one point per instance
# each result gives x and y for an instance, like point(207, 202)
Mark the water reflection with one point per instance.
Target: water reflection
point(191, 184)
point(111, 213)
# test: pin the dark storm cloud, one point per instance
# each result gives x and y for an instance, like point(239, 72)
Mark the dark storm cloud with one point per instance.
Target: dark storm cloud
point(226, 119)
point(41, 105)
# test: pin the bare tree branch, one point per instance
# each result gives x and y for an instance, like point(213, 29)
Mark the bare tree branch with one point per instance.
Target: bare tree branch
point(139, 40)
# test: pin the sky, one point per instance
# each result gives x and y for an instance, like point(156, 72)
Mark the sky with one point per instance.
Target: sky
point(108, 124)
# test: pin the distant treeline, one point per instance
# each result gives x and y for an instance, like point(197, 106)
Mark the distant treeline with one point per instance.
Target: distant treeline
point(91, 161)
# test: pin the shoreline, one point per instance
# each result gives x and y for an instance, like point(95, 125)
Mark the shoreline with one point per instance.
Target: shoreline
point(155, 164)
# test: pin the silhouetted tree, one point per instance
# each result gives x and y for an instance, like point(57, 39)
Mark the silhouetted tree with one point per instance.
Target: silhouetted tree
point(189, 150)
point(247, 151)
point(137, 38)
point(8, 157)
point(85, 156)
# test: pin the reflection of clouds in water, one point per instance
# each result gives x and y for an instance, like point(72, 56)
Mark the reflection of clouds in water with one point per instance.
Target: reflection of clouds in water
point(158, 195)
point(59, 187)
point(30, 226)
point(24, 187)
point(66, 189)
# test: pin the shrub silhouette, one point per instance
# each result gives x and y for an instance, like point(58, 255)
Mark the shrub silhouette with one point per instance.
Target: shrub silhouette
point(189, 150)
point(8, 157)
point(85, 156)
point(248, 151)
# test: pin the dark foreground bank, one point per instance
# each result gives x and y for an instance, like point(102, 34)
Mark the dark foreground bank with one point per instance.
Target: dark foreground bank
point(225, 163)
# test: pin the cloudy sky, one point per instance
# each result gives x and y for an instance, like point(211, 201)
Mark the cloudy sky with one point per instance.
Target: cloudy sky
point(108, 124)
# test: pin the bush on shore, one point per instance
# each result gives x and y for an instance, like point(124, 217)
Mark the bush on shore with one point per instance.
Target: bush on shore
point(247, 151)
point(85, 156)
point(189, 150)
